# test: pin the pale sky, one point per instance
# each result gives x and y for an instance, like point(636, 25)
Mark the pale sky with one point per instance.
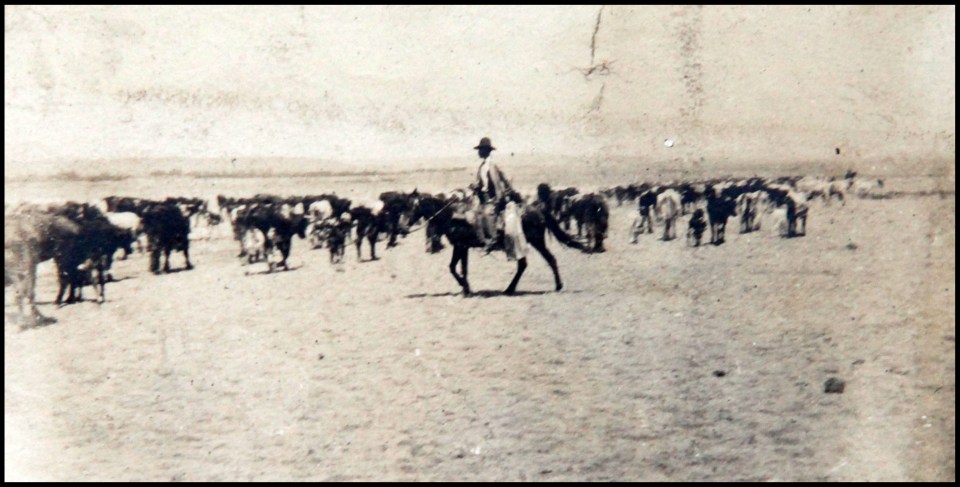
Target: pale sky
point(402, 83)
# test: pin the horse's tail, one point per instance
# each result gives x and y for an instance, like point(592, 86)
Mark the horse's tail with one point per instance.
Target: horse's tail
point(562, 236)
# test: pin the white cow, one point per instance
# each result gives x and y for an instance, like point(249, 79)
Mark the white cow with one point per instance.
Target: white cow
point(867, 188)
point(253, 244)
point(668, 210)
point(130, 222)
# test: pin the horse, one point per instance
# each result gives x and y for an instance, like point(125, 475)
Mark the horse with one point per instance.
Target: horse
point(450, 221)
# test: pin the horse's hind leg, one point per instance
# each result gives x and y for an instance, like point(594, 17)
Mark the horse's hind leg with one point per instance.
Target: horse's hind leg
point(551, 261)
point(521, 266)
point(460, 254)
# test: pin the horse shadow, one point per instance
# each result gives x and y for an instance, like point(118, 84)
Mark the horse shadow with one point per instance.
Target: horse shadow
point(486, 294)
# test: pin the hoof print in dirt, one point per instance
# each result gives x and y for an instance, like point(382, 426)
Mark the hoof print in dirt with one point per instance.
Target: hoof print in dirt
point(833, 386)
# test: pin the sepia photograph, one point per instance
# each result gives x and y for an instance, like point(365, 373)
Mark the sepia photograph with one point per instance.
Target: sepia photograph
point(677, 243)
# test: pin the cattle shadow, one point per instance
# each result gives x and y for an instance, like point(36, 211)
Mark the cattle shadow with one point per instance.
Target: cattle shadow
point(485, 294)
point(25, 324)
point(65, 304)
point(173, 271)
point(267, 272)
point(111, 279)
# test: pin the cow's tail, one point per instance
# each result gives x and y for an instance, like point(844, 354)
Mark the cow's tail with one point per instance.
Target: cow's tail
point(562, 236)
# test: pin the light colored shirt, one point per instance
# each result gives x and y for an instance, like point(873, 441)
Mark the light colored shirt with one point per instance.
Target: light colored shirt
point(492, 181)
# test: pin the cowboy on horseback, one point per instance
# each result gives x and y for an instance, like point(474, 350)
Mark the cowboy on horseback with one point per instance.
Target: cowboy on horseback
point(494, 191)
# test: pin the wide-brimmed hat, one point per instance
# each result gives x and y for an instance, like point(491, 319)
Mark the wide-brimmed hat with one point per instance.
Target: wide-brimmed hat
point(485, 144)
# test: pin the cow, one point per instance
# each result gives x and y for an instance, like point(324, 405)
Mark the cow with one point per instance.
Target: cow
point(748, 207)
point(254, 243)
point(31, 236)
point(167, 230)
point(87, 254)
point(278, 223)
point(668, 210)
point(591, 212)
point(797, 210)
point(130, 222)
point(370, 220)
point(720, 207)
point(397, 211)
point(696, 227)
point(688, 197)
point(646, 201)
point(872, 188)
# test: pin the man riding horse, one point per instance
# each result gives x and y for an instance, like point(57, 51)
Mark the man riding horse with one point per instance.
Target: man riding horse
point(494, 191)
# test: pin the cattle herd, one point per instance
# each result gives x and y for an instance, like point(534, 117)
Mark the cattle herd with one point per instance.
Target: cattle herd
point(82, 238)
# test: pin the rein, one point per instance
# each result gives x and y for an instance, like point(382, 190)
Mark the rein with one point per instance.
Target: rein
point(427, 221)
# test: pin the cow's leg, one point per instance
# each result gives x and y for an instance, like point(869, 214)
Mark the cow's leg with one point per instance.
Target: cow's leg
point(460, 254)
point(372, 238)
point(360, 231)
point(30, 292)
point(521, 266)
point(166, 258)
point(101, 285)
point(155, 259)
point(634, 230)
point(63, 281)
point(284, 248)
point(394, 229)
point(186, 255)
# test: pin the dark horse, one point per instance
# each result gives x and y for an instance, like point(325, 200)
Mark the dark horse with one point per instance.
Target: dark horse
point(441, 219)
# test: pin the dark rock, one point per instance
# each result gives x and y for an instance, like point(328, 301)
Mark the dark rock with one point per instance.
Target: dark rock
point(834, 385)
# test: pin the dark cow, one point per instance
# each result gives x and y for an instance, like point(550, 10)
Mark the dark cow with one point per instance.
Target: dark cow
point(646, 202)
point(167, 230)
point(696, 227)
point(720, 207)
point(87, 255)
point(591, 213)
point(397, 210)
point(370, 223)
point(688, 198)
point(797, 210)
point(278, 223)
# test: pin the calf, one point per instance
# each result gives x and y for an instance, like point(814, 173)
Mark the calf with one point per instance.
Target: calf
point(696, 227)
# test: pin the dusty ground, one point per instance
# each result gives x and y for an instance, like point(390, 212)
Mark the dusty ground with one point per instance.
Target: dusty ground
point(381, 371)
